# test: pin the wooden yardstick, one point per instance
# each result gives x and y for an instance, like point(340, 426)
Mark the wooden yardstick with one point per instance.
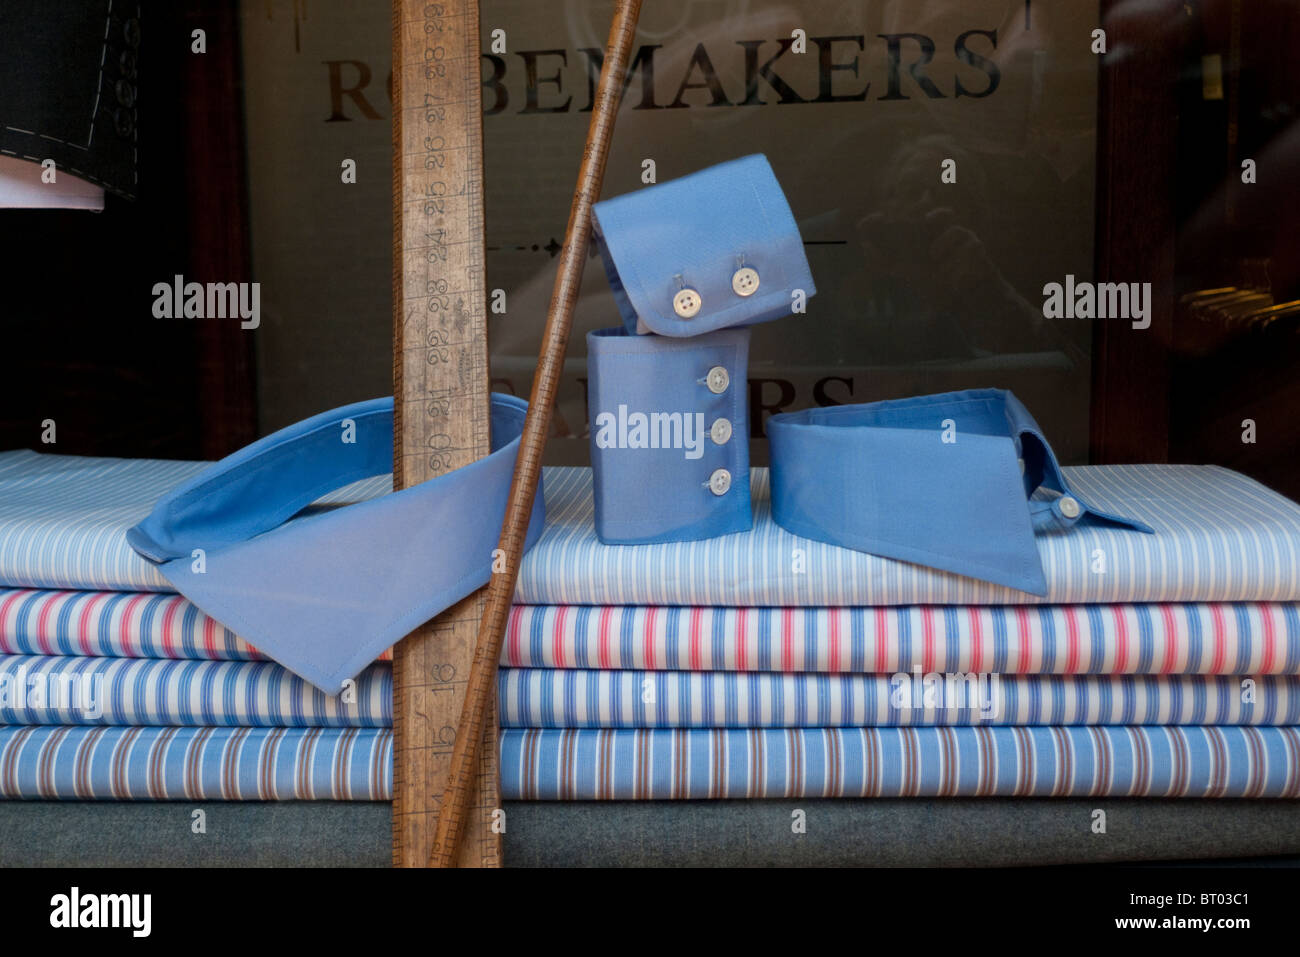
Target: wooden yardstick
point(456, 810)
point(441, 406)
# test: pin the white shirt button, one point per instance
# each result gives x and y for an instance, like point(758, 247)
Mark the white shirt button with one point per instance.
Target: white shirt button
point(1069, 506)
point(720, 432)
point(718, 380)
point(744, 281)
point(687, 303)
point(720, 482)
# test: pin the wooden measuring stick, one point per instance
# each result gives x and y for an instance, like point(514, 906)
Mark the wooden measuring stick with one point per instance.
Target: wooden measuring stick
point(441, 411)
point(480, 702)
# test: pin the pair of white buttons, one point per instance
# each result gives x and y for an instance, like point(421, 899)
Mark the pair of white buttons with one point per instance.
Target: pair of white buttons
point(687, 302)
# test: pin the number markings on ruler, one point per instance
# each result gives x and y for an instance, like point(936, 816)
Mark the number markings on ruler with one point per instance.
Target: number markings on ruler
point(441, 412)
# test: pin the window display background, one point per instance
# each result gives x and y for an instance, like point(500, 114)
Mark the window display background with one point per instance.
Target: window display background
point(922, 286)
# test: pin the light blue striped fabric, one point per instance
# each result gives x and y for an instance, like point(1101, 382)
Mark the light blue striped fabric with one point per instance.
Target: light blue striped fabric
point(115, 624)
point(280, 764)
point(150, 691)
point(211, 764)
point(900, 762)
point(63, 518)
point(124, 691)
point(544, 698)
point(1234, 638)
point(1219, 537)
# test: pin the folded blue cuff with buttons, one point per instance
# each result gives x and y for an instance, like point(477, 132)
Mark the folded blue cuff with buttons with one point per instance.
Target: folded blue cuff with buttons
point(669, 435)
point(715, 249)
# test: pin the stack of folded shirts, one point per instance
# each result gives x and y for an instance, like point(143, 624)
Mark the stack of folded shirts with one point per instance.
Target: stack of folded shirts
point(112, 687)
point(753, 665)
point(767, 665)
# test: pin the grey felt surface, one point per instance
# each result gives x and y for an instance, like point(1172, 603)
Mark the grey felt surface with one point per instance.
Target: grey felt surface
point(973, 832)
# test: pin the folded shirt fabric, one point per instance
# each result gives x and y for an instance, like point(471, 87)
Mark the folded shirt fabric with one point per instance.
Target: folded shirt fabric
point(355, 764)
point(38, 689)
point(1219, 536)
point(116, 624)
point(216, 764)
point(153, 691)
point(900, 762)
point(1195, 638)
point(542, 698)
point(64, 518)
